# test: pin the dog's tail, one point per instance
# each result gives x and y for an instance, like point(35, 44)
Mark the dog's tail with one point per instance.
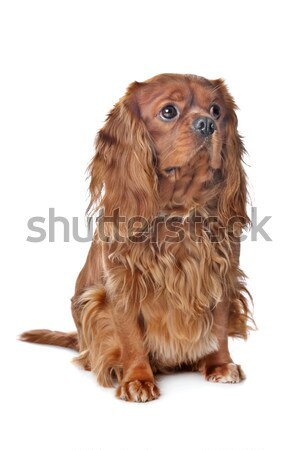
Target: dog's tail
point(69, 340)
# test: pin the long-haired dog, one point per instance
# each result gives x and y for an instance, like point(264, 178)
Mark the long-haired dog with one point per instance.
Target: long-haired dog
point(161, 288)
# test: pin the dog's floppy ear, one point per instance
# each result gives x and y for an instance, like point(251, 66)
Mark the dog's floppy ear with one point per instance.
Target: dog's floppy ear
point(123, 176)
point(233, 197)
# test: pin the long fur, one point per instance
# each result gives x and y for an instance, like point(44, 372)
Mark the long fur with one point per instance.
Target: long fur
point(145, 302)
point(69, 340)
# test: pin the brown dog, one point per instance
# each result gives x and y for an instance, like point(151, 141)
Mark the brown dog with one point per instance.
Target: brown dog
point(161, 288)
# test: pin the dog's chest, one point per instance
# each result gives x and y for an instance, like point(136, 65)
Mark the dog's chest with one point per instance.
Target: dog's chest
point(185, 284)
point(177, 284)
point(188, 273)
point(173, 336)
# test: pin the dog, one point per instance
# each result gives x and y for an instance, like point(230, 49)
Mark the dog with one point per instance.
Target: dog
point(161, 289)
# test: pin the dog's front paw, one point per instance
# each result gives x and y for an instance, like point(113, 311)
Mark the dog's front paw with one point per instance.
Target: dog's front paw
point(137, 391)
point(225, 373)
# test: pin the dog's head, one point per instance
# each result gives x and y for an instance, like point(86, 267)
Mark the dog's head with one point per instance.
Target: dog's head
point(184, 116)
point(166, 144)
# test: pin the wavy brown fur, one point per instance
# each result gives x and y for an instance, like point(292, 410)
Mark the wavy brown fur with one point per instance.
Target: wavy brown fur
point(145, 300)
point(48, 337)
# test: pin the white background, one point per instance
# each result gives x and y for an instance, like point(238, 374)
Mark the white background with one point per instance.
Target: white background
point(63, 66)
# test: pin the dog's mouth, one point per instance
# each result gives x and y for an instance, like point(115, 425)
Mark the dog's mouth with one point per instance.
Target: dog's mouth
point(204, 144)
point(199, 151)
point(199, 155)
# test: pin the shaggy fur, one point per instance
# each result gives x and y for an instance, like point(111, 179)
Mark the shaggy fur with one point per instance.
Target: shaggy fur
point(161, 288)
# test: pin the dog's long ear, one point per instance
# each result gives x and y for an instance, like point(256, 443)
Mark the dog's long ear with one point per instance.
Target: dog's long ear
point(233, 198)
point(123, 176)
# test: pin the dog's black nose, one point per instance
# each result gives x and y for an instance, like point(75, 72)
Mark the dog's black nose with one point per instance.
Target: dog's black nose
point(204, 126)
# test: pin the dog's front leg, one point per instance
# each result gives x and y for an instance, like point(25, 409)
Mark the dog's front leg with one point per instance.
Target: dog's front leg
point(218, 366)
point(138, 381)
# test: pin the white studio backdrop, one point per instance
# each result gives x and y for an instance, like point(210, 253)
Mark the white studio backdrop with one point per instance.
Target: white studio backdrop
point(63, 66)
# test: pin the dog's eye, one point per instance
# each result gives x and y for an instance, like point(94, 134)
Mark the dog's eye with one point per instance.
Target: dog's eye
point(215, 111)
point(168, 112)
point(170, 169)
